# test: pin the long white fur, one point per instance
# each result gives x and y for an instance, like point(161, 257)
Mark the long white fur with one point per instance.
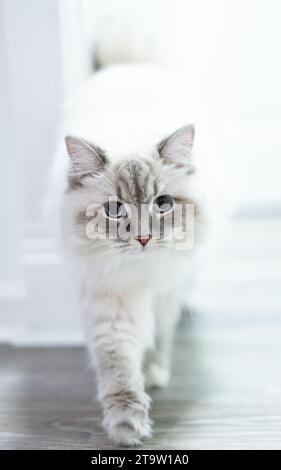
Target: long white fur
point(131, 306)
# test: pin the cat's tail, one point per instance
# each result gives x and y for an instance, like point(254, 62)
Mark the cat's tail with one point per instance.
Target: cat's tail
point(119, 42)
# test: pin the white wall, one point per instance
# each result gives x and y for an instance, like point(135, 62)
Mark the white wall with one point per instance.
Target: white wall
point(229, 53)
point(11, 285)
point(36, 49)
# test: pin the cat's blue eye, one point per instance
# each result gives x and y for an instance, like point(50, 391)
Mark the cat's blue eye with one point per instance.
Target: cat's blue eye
point(163, 204)
point(115, 209)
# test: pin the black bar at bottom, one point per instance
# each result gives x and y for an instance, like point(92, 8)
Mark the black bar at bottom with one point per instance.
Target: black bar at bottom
point(126, 458)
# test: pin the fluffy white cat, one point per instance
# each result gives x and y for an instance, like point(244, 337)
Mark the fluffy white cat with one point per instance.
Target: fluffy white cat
point(132, 146)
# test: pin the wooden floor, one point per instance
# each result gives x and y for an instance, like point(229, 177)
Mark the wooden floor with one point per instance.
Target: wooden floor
point(225, 393)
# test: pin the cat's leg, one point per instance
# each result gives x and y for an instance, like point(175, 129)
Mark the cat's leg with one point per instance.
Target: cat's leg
point(158, 370)
point(118, 339)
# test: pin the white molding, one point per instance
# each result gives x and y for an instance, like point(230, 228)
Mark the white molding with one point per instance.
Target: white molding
point(44, 310)
point(50, 311)
point(41, 63)
point(11, 281)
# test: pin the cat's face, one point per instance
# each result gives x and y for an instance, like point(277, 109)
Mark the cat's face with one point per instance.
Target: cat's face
point(137, 205)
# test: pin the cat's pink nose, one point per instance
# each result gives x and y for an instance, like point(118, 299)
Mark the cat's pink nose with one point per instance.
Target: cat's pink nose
point(143, 239)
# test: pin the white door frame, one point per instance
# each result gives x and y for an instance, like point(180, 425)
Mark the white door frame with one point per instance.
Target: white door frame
point(37, 304)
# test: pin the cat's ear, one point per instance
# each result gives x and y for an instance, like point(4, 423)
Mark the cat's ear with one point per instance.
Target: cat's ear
point(86, 159)
point(177, 148)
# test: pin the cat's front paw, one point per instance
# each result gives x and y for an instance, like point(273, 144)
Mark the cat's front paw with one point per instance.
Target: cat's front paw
point(126, 418)
point(156, 376)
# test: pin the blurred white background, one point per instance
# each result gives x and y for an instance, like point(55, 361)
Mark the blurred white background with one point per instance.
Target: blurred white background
point(229, 55)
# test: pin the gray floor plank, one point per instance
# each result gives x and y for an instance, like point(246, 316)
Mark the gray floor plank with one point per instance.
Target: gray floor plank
point(225, 393)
